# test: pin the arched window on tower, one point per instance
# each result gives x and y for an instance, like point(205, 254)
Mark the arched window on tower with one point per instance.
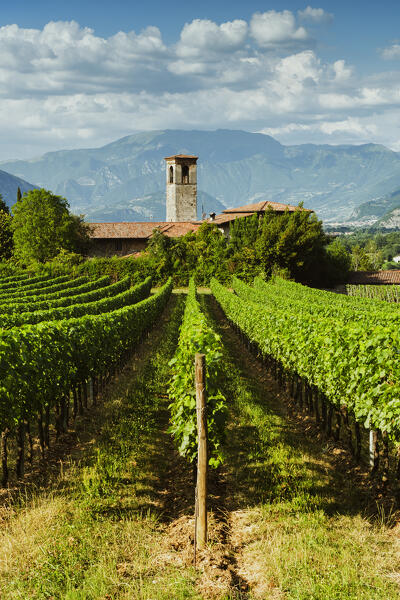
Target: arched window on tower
point(171, 174)
point(185, 174)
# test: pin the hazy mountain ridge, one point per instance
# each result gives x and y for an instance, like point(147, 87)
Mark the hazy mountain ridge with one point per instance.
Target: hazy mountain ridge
point(391, 220)
point(377, 209)
point(9, 185)
point(234, 168)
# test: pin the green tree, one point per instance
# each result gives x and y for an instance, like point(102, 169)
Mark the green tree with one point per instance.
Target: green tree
point(6, 235)
point(360, 260)
point(374, 254)
point(43, 227)
point(3, 206)
point(294, 241)
point(19, 194)
point(243, 233)
point(208, 253)
point(338, 262)
point(159, 250)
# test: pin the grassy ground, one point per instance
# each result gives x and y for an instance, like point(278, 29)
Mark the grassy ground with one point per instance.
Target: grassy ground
point(297, 509)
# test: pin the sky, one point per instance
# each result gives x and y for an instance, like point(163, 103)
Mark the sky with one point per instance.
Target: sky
point(84, 73)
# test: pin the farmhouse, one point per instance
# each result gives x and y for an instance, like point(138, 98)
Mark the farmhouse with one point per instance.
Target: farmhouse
point(224, 220)
point(181, 207)
point(111, 239)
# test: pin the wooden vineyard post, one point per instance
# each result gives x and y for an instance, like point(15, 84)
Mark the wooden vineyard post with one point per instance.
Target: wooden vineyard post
point(91, 394)
point(202, 459)
point(373, 450)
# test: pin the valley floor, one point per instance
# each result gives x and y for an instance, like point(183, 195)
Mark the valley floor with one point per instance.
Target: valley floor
point(291, 517)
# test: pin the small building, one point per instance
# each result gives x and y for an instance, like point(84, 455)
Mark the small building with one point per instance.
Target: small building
point(121, 239)
point(391, 277)
point(224, 220)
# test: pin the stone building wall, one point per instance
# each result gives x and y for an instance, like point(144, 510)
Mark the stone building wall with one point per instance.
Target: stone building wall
point(116, 247)
point(182, 203)
point(182, 190)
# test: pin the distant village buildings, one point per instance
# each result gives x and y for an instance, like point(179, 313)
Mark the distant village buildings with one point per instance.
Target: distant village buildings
point(126, 238)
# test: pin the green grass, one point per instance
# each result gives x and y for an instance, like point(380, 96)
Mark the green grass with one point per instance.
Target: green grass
point(101, 531)
point(299, 525)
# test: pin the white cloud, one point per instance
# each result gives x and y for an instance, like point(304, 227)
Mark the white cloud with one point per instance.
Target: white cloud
point(271, 28)
point(364, 97)
point(204, 36)
point(352, 129)
point(286, 129)
point(316, 15)
point(299, 67)
point(64, 57)
point(342, 71)
point(65, 86)
point(391, 53)
point(350, 125)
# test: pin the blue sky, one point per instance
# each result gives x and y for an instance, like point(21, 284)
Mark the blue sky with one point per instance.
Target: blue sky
point(77, 74)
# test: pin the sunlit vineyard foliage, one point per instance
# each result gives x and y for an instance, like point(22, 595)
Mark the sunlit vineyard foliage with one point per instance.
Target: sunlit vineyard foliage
point(197, 335)
point(59, 337)
point(346, 348)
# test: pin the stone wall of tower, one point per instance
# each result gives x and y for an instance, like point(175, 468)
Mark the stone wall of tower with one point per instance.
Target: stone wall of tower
point(181, 197)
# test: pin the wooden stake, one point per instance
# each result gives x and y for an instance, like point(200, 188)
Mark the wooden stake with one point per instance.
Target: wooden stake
point(385, 456)
point(20, 466)
point(41, 431)
point(91, 394)
point(373, 450)
point(358, 440)
point(4, 456)
point(202, 460)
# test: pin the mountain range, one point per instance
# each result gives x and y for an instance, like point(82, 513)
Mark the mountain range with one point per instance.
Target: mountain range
point(9, 187)
point(125, 180)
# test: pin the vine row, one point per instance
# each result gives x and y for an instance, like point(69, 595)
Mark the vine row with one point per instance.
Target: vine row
point(45, 366)
point(197, 335)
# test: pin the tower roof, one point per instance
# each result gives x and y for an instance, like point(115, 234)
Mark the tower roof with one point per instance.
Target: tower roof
point(183, 156)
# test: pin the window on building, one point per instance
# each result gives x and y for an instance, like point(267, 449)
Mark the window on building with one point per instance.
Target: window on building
point(171, 174)
point(185, 174)
point(118, 245)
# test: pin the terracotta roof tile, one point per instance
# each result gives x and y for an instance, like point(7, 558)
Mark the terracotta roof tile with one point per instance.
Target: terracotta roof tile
point(181, 156)
point(263, 206)
point(220, 219)
point(374, 277)
point(138, 230)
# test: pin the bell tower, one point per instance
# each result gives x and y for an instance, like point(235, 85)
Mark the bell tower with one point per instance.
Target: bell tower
point(181, 187)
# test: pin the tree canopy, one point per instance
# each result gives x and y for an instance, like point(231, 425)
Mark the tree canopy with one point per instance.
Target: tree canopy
point(292, 243)
point(6, 235)
point(3, 206)
point(43, 227)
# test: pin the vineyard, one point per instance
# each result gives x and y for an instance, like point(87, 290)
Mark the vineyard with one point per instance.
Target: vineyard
point(51, 355)
point(303, 407)
point(390, 293)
